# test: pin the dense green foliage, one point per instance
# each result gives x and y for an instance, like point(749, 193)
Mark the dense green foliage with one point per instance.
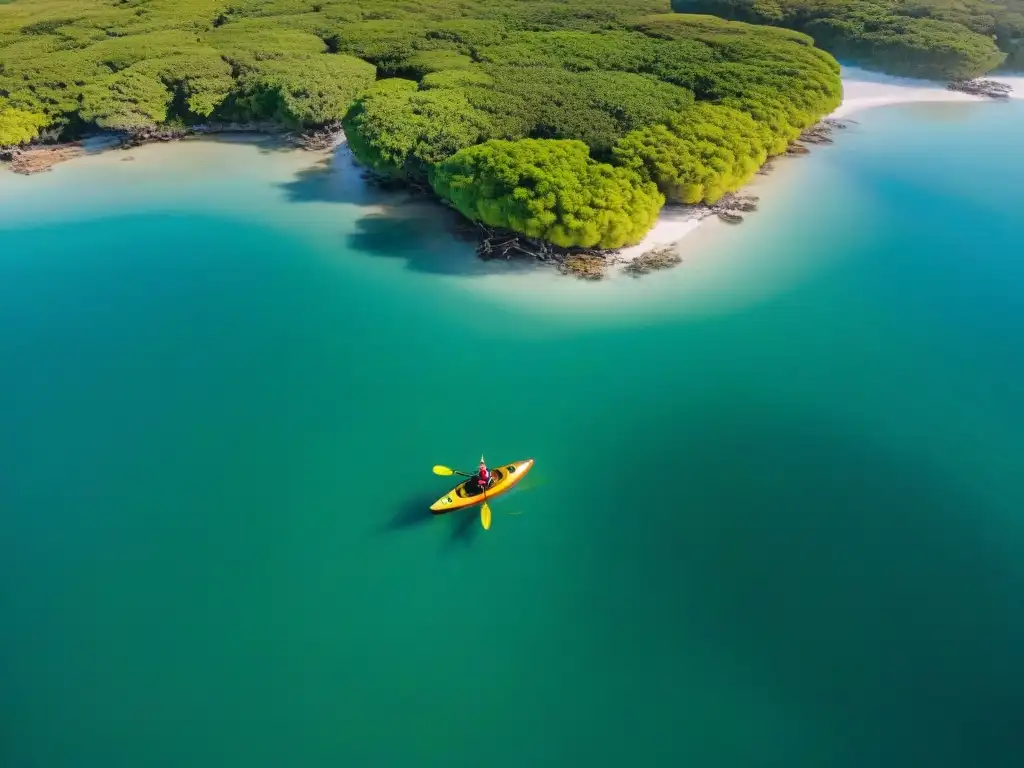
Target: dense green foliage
point(942, 39)
point(125, 100)
point(453, 109)
point(700, 154)
point(435, 92)
point(549, 189)
point(401, 131)
point(137, 64)
point(596, 87)
point(18, 126)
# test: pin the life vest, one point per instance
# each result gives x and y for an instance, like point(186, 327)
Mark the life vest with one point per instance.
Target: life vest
point(484, 477)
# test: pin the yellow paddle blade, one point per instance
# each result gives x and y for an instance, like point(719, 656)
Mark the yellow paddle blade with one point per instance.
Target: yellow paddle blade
point(439, 470)
point(485, 516)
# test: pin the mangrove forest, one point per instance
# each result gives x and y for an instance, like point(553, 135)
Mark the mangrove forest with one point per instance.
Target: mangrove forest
point(572, 122)
point(936, 39)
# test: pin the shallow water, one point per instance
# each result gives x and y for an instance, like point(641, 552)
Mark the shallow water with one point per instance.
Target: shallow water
point(775, 517)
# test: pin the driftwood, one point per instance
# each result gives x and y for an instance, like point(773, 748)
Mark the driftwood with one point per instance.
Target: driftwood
point(317, 139)
point(989, 88)
point(492, 243)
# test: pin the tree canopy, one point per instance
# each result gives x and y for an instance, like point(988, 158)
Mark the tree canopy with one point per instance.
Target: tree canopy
point(595, 87)
point(550, 189)
point(401, 131)
point(18, 126)
point(445, 92)
point(936, 39)
point(698, 155)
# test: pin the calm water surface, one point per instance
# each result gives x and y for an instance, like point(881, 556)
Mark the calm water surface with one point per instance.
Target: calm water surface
point(776, 517)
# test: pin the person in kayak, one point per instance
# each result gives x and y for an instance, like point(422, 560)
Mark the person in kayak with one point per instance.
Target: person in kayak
point(483, 477)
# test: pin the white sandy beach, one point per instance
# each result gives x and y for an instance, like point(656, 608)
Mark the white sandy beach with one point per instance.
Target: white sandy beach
point(674, 223)
point(862, 90)
point(866, 90)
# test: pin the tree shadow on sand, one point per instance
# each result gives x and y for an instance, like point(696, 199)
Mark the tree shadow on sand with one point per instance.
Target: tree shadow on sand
point(337, 178)
point(429, 236)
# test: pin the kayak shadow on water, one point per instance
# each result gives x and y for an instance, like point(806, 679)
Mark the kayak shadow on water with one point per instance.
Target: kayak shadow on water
point(465, 526)
point(415, 513)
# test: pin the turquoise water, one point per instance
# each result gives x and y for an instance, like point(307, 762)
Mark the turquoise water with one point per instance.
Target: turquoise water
point(775, 517)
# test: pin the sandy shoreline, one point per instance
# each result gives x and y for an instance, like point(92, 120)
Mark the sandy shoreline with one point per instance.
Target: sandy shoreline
point(862, 90)
point(867, 90)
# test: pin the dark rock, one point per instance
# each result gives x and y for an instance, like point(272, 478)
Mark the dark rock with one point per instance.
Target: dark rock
point(730, 206)
point(645, 263)
point(989, 88)
point(583, 266)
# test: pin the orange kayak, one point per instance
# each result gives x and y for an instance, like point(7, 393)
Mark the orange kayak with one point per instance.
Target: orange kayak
point(468, 493)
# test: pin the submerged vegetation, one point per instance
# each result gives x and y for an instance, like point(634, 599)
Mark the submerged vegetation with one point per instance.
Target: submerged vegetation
point(571, 121)
point(942, 39)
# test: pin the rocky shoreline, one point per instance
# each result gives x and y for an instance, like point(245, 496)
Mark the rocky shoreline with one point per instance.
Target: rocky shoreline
point(35, 159)
point(979, 87)
point(594, 264)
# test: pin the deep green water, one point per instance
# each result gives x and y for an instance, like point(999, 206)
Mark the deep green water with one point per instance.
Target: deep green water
point(777, 517)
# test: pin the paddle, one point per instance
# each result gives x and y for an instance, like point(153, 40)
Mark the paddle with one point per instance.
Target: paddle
point(445, 471)
point(485, 510)
point(485, 513)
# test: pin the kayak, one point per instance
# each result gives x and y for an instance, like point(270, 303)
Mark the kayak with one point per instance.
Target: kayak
point(468, 493)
